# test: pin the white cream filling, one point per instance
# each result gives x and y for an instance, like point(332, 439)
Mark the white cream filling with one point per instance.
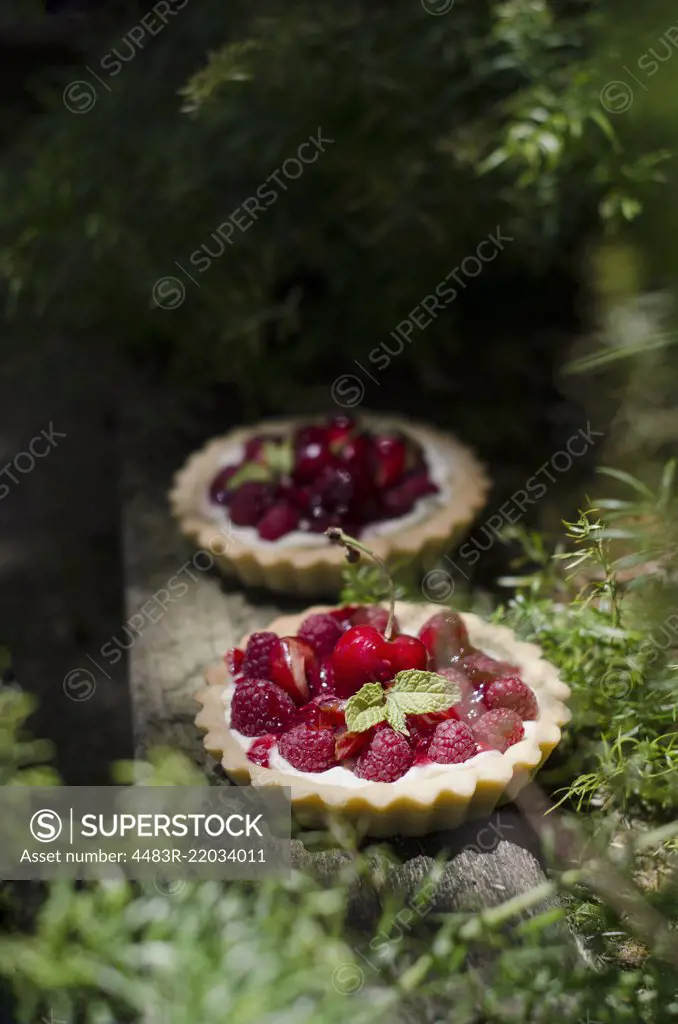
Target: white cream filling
point(340, 776)
point(441, 470)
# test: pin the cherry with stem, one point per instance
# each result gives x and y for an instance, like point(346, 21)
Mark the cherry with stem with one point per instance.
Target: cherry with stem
point(354, 549)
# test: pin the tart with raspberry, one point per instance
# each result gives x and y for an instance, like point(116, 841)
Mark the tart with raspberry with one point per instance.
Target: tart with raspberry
point(260, 499)
point(404, 722)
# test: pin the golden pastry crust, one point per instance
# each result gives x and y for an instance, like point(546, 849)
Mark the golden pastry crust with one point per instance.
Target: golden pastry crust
point(406, 807)
point(316, 570)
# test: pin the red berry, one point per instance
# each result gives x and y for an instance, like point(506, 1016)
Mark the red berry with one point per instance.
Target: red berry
point(259, 750)
point(374, 615)
point(249, 502)
point(389, 455)
point(348, 744)
point(339, 429)
point(259, 706)
point(321, 631)
point(406, 652)
point(387, 757)
point(481, 668)
point(292, 663)
point(321, 678)
point(262, 648)
point(499, 729)
point(395, 503)
point(308, 749)
point(325, 709)
point(511, 692)
point(360, 656)
point(445, 637)
point(234, 659)
point(356, 452)
point(281, 518)
point(452, 743)
point(254, 445)
point(219, 492)
point(311, 454)
point(344, 616)
point(418, 485)
point(471, 705)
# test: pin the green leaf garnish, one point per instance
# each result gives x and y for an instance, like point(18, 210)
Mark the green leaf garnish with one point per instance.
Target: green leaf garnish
point(365, 708)
point(414, 692)
point(279, 456)
point(249, 471)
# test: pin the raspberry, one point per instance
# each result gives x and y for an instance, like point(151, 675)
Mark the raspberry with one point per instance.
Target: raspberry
point(511, 692)
point(308, 749)
point(387, 757)
point(259, 706)
point(452, 743)
point(321, 631)
point(259, 653)
point(499, 729)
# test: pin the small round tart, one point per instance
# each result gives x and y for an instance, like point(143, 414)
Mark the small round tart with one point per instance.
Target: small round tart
point(291, 690)
point(260, 498)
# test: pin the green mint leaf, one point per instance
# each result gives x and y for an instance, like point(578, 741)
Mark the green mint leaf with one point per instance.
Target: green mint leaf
point(414, 680)
point(365, 708)
point(416, 692)
point(396, 717)
point(279, 456)
point(418, 703)
point(249, 471)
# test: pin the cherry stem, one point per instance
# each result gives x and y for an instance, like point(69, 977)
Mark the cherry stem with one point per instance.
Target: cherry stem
point(353, 551)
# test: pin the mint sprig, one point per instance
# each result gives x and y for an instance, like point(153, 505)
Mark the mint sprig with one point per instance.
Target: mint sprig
point(249, 472)
point(414, 692)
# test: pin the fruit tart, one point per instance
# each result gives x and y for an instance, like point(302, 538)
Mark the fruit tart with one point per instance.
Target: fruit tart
point(260, 499)
point(404, 721)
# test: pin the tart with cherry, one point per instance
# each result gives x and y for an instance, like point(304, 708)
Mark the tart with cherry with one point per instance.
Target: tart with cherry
point(261, 499)
point(404, 719)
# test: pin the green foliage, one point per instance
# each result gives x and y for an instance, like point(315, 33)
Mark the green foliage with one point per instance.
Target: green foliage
point(443, 129)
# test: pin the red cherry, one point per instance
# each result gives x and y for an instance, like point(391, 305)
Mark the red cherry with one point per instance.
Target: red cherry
point(407, 652)
point(249, 503)
point(360, 656)
point(280, 519)
point(312, 454)
point(389, 455)
point(481, 668)
point(364, 655)
point(356, 451)
point(445, 637)
point(339, 429)
point(219, 492)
